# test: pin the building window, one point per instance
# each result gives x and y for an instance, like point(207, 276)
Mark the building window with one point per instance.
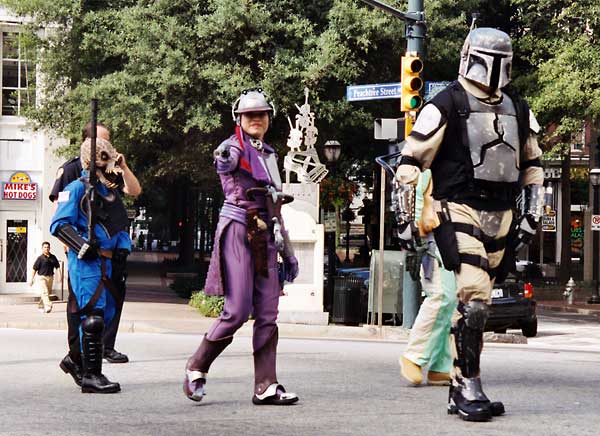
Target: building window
point(18, 76)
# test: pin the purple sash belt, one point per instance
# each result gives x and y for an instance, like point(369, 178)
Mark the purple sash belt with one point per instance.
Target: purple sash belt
point(233, 212)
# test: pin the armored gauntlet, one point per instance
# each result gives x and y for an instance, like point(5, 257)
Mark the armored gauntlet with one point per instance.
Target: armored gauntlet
point(531, 209)
point(403, 206)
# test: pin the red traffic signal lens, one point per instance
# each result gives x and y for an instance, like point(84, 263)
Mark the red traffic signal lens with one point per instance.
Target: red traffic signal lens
point(416, 65)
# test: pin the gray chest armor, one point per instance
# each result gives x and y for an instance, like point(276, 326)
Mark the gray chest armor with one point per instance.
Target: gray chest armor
point(493, 134)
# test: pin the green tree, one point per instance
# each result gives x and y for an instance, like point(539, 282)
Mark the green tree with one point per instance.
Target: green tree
point(166, 72)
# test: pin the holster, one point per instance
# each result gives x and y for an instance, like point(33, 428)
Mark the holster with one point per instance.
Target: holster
point(445, 238)
point(258, 237)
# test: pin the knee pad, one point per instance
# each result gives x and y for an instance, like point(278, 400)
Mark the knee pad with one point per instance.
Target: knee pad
point(475, 314)
point(93, 324)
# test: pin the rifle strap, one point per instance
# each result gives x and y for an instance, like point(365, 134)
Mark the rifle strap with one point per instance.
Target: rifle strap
point(104, 282)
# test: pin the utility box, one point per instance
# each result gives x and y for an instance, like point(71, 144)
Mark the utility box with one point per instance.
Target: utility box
point(389, 129)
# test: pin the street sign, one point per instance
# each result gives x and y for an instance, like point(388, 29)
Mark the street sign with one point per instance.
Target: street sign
point(378, 91)
point(433, 88)
point(549, 222)
point(596, 223)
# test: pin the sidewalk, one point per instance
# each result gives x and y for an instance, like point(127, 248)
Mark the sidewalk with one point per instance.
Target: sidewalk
point(578, 307)
point(151, 306)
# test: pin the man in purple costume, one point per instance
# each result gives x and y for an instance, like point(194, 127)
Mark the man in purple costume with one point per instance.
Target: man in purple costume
point(243, 266)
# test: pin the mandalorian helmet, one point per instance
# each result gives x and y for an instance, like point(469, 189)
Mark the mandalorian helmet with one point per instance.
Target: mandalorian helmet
point(107, 165)
point(252, 100)
point(486, 57)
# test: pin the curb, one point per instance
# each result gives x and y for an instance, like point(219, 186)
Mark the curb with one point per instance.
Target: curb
point(568, 309)
point(288, 331)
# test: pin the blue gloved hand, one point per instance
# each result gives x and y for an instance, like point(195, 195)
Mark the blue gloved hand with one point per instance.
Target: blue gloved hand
point(291, 268)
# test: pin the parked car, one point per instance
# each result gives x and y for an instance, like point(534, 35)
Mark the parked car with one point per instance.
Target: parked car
point(513, 306)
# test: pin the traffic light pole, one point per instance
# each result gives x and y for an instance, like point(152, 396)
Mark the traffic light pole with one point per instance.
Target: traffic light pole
point(415, 37)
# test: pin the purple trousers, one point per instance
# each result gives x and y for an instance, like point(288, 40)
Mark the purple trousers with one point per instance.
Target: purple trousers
point(245, 293)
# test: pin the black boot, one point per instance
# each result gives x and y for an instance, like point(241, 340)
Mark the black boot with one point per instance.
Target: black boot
point(466, 397)
point(71, 367)
point(496, 407)
point(93, 381)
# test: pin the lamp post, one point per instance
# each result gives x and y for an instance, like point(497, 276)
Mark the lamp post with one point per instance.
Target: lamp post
point(595, 181)
point(331, 151)
point(347, 215)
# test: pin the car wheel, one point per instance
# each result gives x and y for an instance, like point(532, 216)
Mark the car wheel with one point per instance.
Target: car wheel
point(529, 328)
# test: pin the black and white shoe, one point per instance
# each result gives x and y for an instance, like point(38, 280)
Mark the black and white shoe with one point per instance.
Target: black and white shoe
point(275, 395)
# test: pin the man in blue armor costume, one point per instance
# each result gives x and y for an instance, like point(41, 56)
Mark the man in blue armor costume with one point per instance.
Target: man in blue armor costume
point(89, 261)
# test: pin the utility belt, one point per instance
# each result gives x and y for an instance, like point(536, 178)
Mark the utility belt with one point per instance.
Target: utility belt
point(501, 195)
point(445, 238)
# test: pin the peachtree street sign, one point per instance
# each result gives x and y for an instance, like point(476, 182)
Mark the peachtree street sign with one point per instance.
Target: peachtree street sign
point(373, 92)
point(380, 91)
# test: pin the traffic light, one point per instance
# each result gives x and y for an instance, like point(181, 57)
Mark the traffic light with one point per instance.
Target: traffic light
point(411, 83)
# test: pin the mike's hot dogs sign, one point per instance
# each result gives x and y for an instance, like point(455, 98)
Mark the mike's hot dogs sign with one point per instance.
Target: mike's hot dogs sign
point(19, 188)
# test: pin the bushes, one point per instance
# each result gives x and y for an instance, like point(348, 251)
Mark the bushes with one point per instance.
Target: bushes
point(207, 305)
point(184, 286)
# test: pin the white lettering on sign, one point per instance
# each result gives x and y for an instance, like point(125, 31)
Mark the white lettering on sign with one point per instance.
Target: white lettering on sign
point(19, 191)
point(549, 222)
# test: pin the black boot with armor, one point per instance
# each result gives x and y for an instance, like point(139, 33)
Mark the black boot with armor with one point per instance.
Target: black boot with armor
point(466, 397)
point(93, 381)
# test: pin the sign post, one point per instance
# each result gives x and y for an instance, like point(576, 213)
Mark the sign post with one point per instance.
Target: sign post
point(415, 30)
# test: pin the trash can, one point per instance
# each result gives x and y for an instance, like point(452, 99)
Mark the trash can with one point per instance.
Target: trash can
point(347, 300)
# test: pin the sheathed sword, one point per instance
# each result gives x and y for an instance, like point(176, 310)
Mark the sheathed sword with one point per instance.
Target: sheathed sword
point(274, 200)
point(93, 178)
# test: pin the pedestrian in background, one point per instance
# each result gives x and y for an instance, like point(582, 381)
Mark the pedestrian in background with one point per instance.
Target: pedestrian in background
point(44, 267)
point(429, 340)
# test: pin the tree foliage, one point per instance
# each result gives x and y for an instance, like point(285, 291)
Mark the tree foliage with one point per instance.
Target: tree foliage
point(166, 71)
point(559, 46)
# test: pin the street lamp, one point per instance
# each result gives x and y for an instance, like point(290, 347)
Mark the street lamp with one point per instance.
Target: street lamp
point(595, 181)
point(331, 151)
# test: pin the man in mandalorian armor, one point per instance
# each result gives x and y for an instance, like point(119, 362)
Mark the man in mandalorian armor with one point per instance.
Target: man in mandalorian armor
point(478, 137)
point(243, 266)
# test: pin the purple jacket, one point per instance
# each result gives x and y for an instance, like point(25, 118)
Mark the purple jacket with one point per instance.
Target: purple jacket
point(238, 172)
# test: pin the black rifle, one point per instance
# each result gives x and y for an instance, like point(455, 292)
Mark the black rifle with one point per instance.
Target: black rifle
point(93, 178)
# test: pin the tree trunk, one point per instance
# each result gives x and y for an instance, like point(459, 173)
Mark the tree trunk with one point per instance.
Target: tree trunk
point(565, 220)
point(186, 223)
point(203, 227)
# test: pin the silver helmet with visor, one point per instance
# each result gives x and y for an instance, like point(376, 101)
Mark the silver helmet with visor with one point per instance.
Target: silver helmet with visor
point(252, 100)
point(486, 57)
